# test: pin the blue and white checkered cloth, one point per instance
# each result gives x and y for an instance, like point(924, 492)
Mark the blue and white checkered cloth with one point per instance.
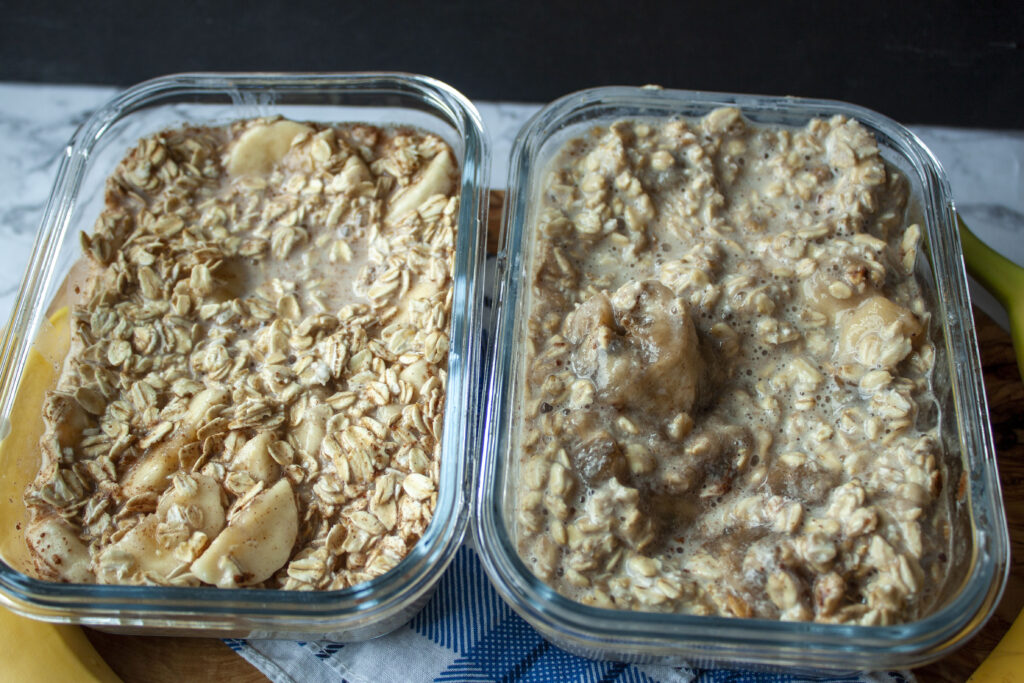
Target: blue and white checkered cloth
point(467, 633)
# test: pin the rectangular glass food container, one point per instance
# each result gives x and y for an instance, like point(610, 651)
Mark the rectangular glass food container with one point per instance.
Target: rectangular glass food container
point(355, 613)
point(704, 641)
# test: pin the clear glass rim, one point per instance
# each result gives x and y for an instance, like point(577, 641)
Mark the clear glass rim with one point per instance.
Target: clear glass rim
point(418, 571)
point(751, 640)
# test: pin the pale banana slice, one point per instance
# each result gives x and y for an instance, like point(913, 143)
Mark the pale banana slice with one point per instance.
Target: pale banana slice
point(259, 148)
point(152, 473)
point(58, 551)
point(436, 179)
point(196, 499)
point(254, 458)
point(255, 544)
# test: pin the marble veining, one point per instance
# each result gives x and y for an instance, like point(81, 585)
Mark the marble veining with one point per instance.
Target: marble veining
point(37, 121)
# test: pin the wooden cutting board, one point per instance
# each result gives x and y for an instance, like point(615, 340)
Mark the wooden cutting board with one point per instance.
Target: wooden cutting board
point(172, 659)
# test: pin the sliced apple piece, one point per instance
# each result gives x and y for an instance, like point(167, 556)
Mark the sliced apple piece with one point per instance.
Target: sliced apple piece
point(198, 497)
point(153, 471)
point(136, 553)
point(254, 458)
point(258, 149)
point(59, 553)
point(256, 543)
point(435, 179)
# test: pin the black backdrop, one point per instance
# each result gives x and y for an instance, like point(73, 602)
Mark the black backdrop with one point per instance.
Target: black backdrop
point(917, 61)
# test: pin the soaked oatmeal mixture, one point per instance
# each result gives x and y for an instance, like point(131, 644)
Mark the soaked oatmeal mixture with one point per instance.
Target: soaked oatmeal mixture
point(727, 405)
point(255, 386)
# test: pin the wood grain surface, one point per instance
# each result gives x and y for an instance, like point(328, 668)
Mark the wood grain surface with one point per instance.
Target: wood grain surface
point(155, 659)
point(172, 659)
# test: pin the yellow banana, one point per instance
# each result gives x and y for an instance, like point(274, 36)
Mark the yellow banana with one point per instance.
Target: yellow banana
point(1003, 664)
point(1003, 278)
point(37, 651)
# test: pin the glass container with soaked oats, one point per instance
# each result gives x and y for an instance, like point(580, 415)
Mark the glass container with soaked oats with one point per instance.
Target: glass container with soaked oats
point(735, 411)
point(244, 357)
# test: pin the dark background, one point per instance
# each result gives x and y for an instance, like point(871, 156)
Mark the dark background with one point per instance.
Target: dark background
point(919, 62)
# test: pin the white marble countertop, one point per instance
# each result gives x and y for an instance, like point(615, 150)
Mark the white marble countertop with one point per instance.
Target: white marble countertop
point(36, 121)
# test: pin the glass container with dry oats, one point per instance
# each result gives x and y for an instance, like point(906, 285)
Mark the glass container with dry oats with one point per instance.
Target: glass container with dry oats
point(256, 371)
point(736, 413)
